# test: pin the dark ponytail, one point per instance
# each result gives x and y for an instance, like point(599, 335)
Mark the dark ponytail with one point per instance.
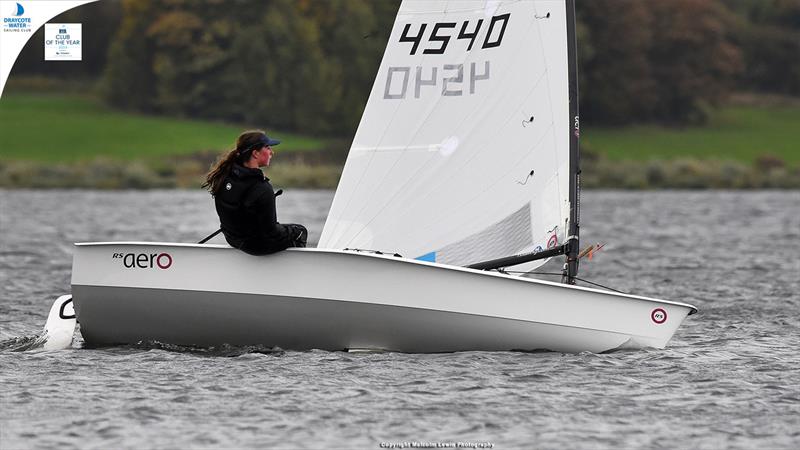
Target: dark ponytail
point(245, 144)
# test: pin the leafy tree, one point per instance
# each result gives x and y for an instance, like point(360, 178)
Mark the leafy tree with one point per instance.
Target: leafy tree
point(267, 67)
point(617, 83)
point(309, 65)
point(128, 80)
point(666, 61)
point(768, 32)
point(693, 61)
point(352, 53)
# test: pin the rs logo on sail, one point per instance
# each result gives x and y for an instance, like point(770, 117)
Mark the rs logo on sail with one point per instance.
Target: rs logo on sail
point(144, 260)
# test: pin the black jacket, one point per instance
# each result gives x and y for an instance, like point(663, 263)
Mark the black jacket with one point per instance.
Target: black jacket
point(246, 207)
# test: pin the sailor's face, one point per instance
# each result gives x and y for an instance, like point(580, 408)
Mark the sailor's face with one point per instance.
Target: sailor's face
point(263, 156)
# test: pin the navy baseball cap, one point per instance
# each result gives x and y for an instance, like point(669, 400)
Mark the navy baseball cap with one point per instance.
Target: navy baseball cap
point(266, 140)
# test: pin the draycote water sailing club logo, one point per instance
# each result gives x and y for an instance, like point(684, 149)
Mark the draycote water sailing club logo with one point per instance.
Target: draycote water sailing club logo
point(144, 260)
point(17, 23)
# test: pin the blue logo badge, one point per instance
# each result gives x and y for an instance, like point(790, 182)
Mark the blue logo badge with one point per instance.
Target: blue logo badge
point(17, 23)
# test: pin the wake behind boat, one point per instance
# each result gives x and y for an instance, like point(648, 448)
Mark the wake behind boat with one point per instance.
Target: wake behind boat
point(466, 160)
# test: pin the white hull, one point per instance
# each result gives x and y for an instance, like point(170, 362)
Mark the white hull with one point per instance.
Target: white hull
point(334, 300)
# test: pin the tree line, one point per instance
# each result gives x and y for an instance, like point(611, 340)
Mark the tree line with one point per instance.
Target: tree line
point(308, 65)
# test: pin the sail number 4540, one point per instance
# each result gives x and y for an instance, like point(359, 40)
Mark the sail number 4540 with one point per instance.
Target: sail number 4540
point(442, 32)
point(448, 80)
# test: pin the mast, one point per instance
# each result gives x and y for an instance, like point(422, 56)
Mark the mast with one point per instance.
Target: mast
point(573, 241)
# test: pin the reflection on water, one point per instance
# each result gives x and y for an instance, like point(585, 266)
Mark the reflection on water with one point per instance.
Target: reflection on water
point(729, 378)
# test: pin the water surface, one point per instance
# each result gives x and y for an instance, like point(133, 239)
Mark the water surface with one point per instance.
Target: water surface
point(730, 378)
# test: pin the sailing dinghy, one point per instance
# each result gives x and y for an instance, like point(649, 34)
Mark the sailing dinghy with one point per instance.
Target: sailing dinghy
point(465, 162)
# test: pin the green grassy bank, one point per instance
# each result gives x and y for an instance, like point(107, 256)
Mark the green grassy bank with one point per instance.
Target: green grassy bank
point(52, 140)
point(57, 128)
point(737, 133)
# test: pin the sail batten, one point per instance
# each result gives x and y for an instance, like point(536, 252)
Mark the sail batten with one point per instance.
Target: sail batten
point(467, 126)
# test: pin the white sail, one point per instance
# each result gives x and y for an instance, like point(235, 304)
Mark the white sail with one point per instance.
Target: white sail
point(463, 152)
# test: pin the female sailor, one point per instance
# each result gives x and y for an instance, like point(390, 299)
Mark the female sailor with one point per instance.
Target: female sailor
point(245, 199)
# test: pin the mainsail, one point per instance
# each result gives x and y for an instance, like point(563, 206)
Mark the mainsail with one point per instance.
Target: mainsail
point(463, 153)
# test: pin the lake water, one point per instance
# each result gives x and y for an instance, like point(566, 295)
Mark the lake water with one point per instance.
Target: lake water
point(730, 378)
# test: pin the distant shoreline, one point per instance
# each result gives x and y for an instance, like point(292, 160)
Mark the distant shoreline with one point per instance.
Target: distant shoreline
point(746, 145)
point(188, 173)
